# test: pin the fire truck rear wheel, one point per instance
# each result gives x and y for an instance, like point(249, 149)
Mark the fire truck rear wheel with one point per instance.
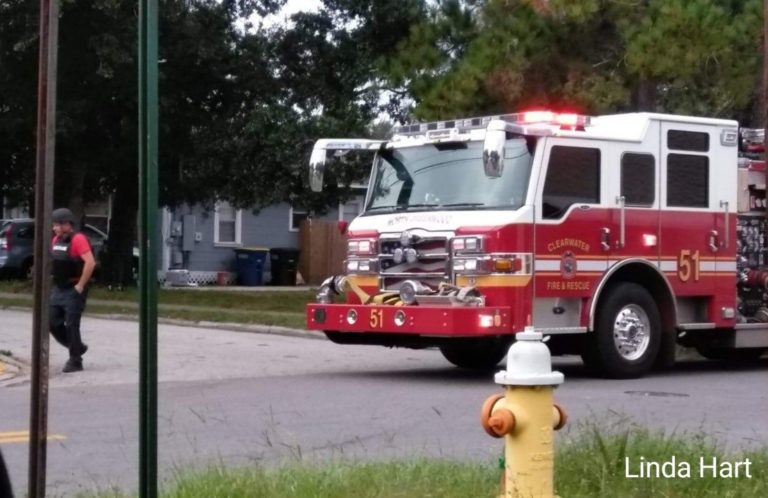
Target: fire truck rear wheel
point(476, 354)
point(627, 337)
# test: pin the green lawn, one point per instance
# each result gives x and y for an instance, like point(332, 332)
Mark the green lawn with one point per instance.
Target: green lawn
point(590, 465)
point(280, 308)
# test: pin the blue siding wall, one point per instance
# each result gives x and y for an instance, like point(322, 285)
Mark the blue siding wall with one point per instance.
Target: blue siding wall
point(269, 228)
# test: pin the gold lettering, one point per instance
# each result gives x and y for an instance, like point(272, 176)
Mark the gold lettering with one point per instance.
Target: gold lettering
point(577, 285)
point(563, 243)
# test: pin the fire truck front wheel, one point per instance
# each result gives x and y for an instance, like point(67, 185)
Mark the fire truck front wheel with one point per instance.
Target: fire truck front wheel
point(627, 337)
point(476, 354)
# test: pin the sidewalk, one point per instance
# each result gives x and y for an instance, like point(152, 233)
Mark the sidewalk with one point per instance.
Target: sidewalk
point(187, 351)
point(123, 316)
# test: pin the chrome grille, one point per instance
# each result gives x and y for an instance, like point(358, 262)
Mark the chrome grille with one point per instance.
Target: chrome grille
point(431, 265)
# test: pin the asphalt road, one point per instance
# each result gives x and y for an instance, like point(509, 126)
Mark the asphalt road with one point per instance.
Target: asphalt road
point(244, 398)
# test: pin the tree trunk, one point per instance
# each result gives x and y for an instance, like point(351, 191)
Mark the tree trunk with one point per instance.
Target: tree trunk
point(645, 95)
point(75, 200)
point(118, 262)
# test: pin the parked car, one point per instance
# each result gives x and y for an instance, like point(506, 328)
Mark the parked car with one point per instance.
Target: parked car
point(17, 245)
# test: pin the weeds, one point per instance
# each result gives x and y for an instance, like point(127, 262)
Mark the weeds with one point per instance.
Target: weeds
point(589, 464)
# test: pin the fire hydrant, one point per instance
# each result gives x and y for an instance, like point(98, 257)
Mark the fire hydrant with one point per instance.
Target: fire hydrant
point(526, 416)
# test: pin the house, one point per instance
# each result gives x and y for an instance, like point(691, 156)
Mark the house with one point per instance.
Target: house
point(203, 241)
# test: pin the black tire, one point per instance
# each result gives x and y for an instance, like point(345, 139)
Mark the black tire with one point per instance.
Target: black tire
point(476, 354)
point(627, 314)
point(732, 355)
point(25, 272)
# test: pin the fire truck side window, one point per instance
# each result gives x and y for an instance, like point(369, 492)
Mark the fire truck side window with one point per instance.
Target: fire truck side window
point(638, 179)
point(695, 141)
point(573, 177)
point(687, 180)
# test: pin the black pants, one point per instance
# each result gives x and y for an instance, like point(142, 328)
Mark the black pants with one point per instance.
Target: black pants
point(5, 481)
point(66, 308)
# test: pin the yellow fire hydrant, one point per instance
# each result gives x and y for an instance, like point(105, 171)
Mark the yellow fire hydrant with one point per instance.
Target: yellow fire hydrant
point(526, 416)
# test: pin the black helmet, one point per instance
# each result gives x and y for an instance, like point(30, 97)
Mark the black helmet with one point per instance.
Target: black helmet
point(63, 215)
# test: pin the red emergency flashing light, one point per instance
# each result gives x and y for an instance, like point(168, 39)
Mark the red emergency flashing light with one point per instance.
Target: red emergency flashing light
point(537, 117)
point(439, 129)
point(565, 120)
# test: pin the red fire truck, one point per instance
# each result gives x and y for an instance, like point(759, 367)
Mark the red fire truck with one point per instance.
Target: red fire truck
point(618, 236)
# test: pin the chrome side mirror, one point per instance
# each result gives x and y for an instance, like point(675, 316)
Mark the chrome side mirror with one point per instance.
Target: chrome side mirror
point(317, 168)
point(493, 153)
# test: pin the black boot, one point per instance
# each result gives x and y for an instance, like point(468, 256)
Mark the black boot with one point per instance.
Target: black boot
point(73, 365)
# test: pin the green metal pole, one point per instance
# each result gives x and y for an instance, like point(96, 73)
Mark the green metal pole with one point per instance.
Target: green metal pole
point(148, 245)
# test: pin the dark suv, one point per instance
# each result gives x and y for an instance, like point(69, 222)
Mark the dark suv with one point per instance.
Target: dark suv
point(17, 245)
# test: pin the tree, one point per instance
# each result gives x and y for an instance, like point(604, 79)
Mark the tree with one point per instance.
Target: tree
point(97, 104)
point(239, 109)
point(680, 56)
point(18, 97)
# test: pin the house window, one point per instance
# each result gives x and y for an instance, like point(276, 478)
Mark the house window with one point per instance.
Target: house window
point(227, 224)
point(295, 217)
point(348, 211)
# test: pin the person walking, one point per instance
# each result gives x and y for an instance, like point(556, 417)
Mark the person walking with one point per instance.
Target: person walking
point(72, 265)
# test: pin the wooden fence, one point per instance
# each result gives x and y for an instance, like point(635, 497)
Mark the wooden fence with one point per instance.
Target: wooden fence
point(323, 249)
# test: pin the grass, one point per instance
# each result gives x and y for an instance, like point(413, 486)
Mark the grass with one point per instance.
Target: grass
point(273, 308)
point(400, 479)
point(593, 465)
point(590, 464)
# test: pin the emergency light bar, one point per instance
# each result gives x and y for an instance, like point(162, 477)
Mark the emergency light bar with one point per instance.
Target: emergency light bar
point(563, 120)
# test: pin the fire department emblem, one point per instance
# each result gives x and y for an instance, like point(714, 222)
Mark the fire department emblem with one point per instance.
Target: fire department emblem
point(568, 265)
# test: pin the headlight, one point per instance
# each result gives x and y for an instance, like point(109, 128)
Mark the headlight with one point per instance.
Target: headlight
point(361, 246)
point(470, 265)
point(358, 265)
point(465, 265)
point(467, 244)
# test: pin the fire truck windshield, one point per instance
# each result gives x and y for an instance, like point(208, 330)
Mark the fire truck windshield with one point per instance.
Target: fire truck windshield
point(448, 176)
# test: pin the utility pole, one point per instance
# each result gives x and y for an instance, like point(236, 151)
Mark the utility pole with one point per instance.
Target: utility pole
point(46, 146)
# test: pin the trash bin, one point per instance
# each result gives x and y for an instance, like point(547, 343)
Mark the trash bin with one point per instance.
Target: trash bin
point(222, 278)
point(249, 264)
point(284, 261)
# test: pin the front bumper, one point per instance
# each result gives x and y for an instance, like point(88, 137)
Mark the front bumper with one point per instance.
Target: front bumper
point(440, 321)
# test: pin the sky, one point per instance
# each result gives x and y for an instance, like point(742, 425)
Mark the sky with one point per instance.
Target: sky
point(291, 7)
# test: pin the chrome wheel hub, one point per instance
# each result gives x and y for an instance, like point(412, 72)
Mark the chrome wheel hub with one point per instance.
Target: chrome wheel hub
point(631, 332)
